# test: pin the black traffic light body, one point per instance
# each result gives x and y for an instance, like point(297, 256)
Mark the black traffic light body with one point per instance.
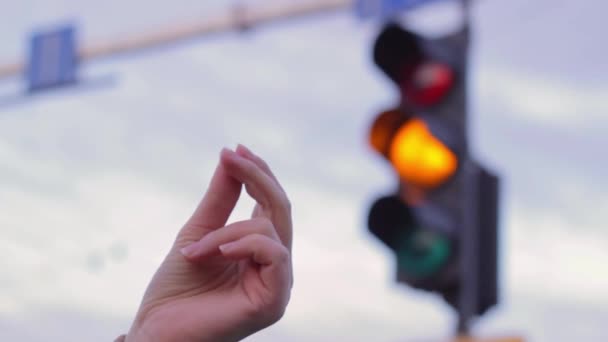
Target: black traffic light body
point(441, 222)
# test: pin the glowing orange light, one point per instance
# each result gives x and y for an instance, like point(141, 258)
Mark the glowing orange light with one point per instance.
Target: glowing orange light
point(419, 157)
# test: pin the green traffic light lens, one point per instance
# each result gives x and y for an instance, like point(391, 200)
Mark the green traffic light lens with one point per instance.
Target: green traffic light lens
point(422, 253)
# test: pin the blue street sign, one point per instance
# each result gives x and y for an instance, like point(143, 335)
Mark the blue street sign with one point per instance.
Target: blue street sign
point(53, 59)
point(385, 8)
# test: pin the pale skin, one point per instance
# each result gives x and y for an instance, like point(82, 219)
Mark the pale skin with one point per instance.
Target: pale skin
point(223, 282)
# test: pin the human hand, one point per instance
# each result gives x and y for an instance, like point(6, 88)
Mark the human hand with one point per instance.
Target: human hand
point(223, 282)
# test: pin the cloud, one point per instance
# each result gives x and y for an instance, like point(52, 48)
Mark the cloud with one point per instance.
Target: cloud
point(124, 166)
point(533, 98)
point(50, 325)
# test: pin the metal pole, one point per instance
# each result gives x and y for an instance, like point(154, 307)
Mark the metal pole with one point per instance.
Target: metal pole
point(468, 244)
point(469, 270)
point(236, 18)
point(480, 225)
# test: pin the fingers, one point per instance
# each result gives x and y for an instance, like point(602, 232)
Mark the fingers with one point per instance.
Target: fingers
point(269, 253)
point(210, 243)
point(255, 239)
point(263, 187)
point(217, 204)
point(260, 248)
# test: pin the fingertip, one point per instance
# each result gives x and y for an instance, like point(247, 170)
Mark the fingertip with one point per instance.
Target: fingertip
point(233, 161)
point(196, 252)
point(227, 247)
point(244, 151)
point(226, 152)
point(229, 157)
point(189, 251)
point(230, 162)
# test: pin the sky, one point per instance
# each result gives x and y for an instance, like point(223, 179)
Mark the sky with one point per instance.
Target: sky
point(95, 181)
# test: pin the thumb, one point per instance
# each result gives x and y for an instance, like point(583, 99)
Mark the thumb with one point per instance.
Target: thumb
point(217, 203)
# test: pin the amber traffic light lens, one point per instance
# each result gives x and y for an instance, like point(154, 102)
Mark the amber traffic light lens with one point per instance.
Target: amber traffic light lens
point(419, 157)
point(384, 128)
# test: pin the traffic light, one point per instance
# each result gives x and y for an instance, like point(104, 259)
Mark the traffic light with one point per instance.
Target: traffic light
point(441, 221)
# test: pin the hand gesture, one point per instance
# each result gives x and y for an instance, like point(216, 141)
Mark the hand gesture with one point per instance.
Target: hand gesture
point(223, 282)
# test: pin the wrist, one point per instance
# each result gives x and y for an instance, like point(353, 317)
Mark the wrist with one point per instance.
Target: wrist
point(157, 325)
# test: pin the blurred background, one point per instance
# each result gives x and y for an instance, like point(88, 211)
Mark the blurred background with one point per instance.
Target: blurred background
point(96, 179)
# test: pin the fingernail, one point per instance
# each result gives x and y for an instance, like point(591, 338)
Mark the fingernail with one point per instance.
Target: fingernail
point(189, 250)
point(226, 247)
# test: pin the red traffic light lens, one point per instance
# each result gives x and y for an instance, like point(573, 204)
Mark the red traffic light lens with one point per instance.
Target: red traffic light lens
point(427, 83)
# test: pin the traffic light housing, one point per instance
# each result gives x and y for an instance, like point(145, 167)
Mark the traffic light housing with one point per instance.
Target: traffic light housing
point(441, 221)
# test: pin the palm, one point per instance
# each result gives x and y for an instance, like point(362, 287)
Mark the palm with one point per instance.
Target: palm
point(211, 289)
point(177, 277)
point(185, 292)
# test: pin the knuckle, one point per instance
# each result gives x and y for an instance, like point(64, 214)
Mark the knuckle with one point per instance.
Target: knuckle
point(283, 255)
point(271, 312)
